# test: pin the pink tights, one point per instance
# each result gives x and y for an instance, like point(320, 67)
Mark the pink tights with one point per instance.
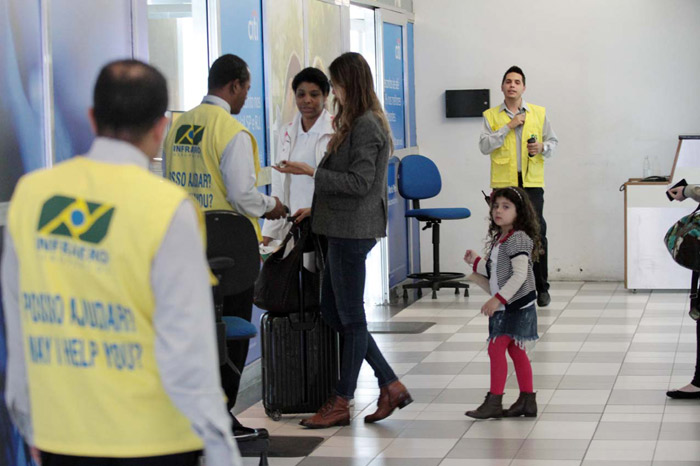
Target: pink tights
point(499, 365)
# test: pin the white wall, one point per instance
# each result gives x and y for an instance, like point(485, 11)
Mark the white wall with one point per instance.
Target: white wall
point(620, 81)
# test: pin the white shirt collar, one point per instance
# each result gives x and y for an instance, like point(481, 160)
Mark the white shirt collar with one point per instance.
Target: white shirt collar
point(315, 129)
point(523, 107)
point(118, 152)
point(218, 101)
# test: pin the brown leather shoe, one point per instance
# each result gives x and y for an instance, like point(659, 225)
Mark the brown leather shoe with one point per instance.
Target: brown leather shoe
point(525, 405)
point(392, 396)
point(492, 407)
point(336, 412)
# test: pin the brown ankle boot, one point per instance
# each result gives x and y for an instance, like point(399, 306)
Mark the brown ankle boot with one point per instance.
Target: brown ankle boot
point(392, 396)
point(336, 412)
point(525, 405)
point(492, 407)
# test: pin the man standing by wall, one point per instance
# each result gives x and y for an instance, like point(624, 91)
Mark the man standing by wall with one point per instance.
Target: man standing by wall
point(519, 138)
point(215, 158)
point(109, 314)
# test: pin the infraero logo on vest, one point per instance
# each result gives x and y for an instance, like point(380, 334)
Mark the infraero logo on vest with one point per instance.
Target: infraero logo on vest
point(78, 219)
point(187, 139)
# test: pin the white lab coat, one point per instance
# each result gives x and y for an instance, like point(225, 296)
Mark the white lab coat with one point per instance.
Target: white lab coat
point(277, 229)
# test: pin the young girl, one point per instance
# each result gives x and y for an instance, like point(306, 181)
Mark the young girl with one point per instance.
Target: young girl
point(507, 274)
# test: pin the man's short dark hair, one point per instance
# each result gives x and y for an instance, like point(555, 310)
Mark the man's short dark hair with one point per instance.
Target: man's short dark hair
point(514, 69)
point(228, 68)
point(313, 76)
point(129, 98)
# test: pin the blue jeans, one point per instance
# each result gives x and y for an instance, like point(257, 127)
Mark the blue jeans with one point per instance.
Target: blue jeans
point(342, 307)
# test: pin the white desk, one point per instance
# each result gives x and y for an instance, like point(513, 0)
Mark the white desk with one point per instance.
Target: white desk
point(649, 215)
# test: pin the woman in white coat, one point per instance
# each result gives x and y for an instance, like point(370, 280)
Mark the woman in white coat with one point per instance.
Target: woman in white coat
point(303, 140)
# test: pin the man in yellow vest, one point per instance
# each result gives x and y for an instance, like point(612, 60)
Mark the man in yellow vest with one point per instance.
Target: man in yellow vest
point(108, 306)
point(518, 137)
point(215, 159)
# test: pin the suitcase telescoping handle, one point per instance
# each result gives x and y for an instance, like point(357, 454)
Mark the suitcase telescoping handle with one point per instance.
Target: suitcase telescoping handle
point(302, 324)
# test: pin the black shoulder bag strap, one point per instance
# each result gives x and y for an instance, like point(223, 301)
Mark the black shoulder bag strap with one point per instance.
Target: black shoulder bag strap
point(303, 230)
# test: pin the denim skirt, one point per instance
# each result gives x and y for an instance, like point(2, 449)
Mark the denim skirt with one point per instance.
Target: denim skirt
point(520, 325)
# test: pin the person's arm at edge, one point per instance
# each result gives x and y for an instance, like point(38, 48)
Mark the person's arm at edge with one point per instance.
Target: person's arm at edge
point(17, 388)
point(692, 191)
point(479, 266)
point(185, 346)
point(490, 140)
point(549, 139)
point(273, 228)
point(238, 171)
point(481, 281)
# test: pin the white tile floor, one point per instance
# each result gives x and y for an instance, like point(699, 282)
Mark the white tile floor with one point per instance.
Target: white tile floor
point(602, 365)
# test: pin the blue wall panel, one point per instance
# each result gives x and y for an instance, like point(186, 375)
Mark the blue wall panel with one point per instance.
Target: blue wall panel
point(393, 82)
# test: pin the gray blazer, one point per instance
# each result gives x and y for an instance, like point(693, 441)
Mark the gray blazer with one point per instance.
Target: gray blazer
point(350, 194)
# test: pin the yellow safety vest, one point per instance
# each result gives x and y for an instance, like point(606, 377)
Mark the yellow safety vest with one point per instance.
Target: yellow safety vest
point(86, 233)
point(193, 150)
point(504, 160)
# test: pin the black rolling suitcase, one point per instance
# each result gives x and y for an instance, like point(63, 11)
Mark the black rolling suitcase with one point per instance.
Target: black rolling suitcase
point(300, 364)
point(300, 353)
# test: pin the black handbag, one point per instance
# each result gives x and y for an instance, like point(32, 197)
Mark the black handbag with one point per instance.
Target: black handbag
point(277, 288)
point(683, 240)
point(683, 243)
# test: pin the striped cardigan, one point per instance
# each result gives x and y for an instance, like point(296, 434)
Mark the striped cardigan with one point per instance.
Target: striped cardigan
point(514, 244)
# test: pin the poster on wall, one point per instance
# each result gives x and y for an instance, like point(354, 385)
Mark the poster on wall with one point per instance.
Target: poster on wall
point(393, 82)
point(241, 34)
point(22, 150)
point(411, 86)
point(21, 105)
point(285, 22)
point(106, 26)
point(325, 44)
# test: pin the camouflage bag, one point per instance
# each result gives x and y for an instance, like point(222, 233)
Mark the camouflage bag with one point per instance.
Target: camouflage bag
point(683, 241)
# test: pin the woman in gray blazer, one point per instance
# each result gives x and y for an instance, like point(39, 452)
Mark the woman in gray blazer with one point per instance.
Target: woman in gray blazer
point(350, 209)
point(692, 390)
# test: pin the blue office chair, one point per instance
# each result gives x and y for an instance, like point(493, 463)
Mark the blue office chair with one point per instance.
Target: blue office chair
point(232, 252)
point(419, 178)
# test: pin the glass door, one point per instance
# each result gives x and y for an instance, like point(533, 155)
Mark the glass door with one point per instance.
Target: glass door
point(363, 40)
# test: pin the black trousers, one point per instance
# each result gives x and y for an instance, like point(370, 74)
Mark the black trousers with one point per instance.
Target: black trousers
point(696, 379)
point(238, 305)
point(179, 459)
point(540, 267)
